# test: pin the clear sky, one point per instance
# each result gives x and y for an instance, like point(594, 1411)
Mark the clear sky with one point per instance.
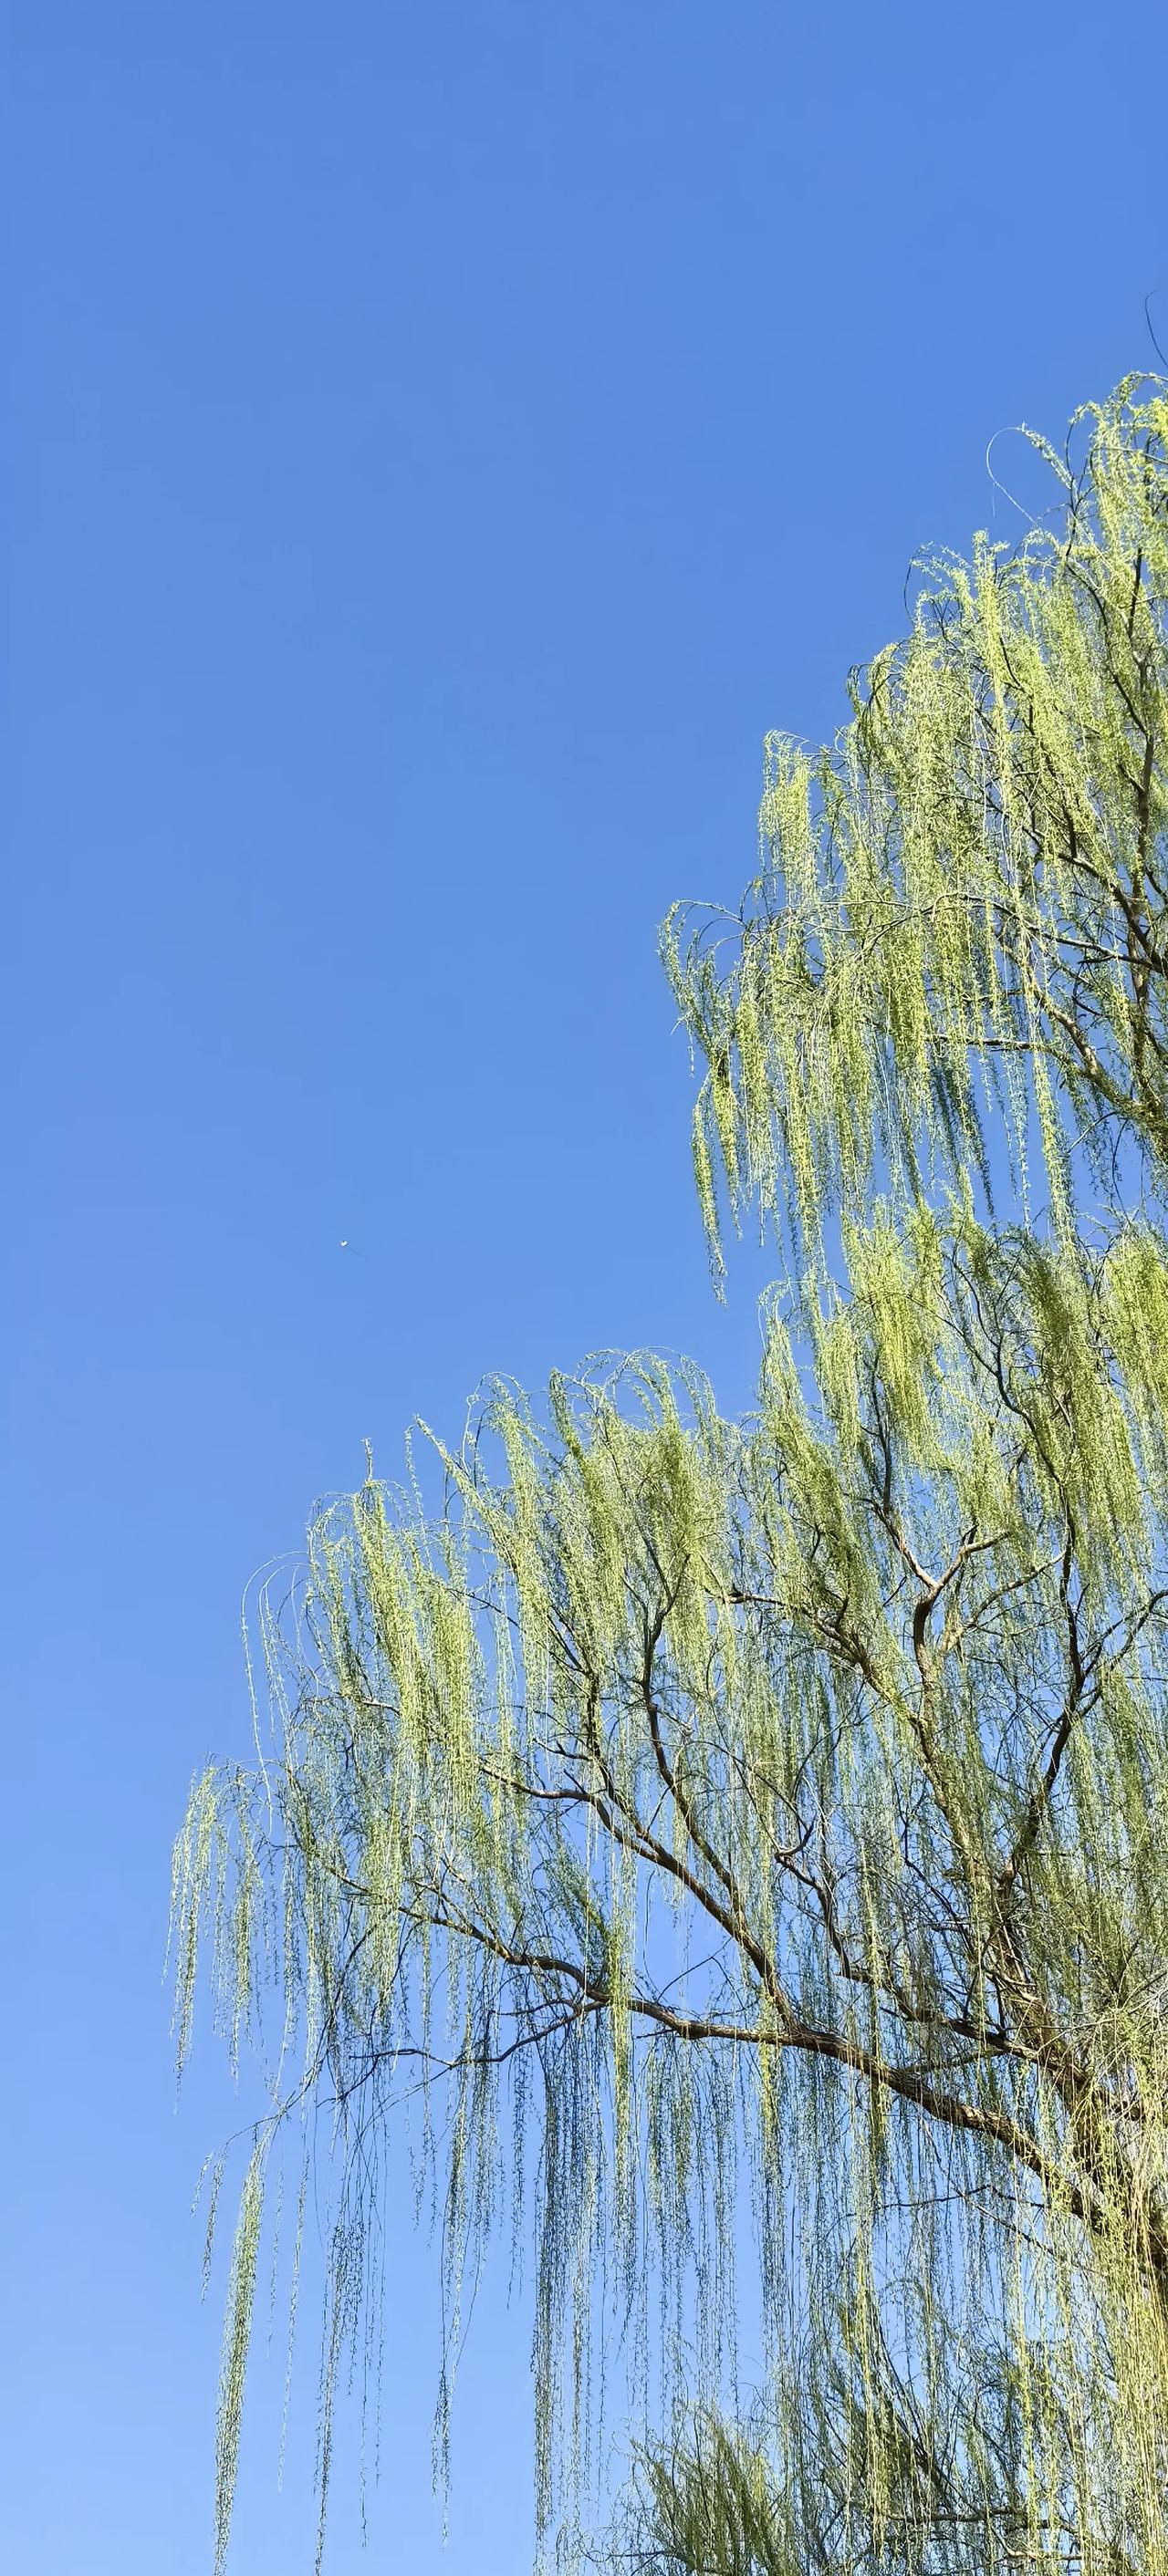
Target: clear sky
point(441, 437)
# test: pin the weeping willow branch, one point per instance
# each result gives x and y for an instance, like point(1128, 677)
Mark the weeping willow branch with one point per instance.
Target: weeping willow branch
point(960, 903)
point(746, 1840)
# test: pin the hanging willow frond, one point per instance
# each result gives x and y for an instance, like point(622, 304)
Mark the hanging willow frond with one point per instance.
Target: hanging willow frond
point(746, 1841)
point(773, 1808)
point(949, 2448)
point(960, 908)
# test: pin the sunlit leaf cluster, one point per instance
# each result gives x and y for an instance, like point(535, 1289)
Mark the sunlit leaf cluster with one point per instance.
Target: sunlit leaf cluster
point(956, 939)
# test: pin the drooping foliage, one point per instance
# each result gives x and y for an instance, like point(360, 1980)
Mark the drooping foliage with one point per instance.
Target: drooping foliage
point(748, 1839)
point(959, 915)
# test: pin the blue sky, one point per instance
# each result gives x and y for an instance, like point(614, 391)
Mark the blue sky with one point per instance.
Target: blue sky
point(440, 440)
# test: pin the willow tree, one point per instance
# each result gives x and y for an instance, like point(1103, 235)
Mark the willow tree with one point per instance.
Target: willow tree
point(740, 1846)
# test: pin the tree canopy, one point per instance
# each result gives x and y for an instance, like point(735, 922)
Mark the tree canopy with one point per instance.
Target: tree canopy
point(740, 1845)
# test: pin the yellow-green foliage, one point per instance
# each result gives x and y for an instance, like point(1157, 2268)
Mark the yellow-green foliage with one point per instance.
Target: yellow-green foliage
point(961, 903)
point(699, 1817)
